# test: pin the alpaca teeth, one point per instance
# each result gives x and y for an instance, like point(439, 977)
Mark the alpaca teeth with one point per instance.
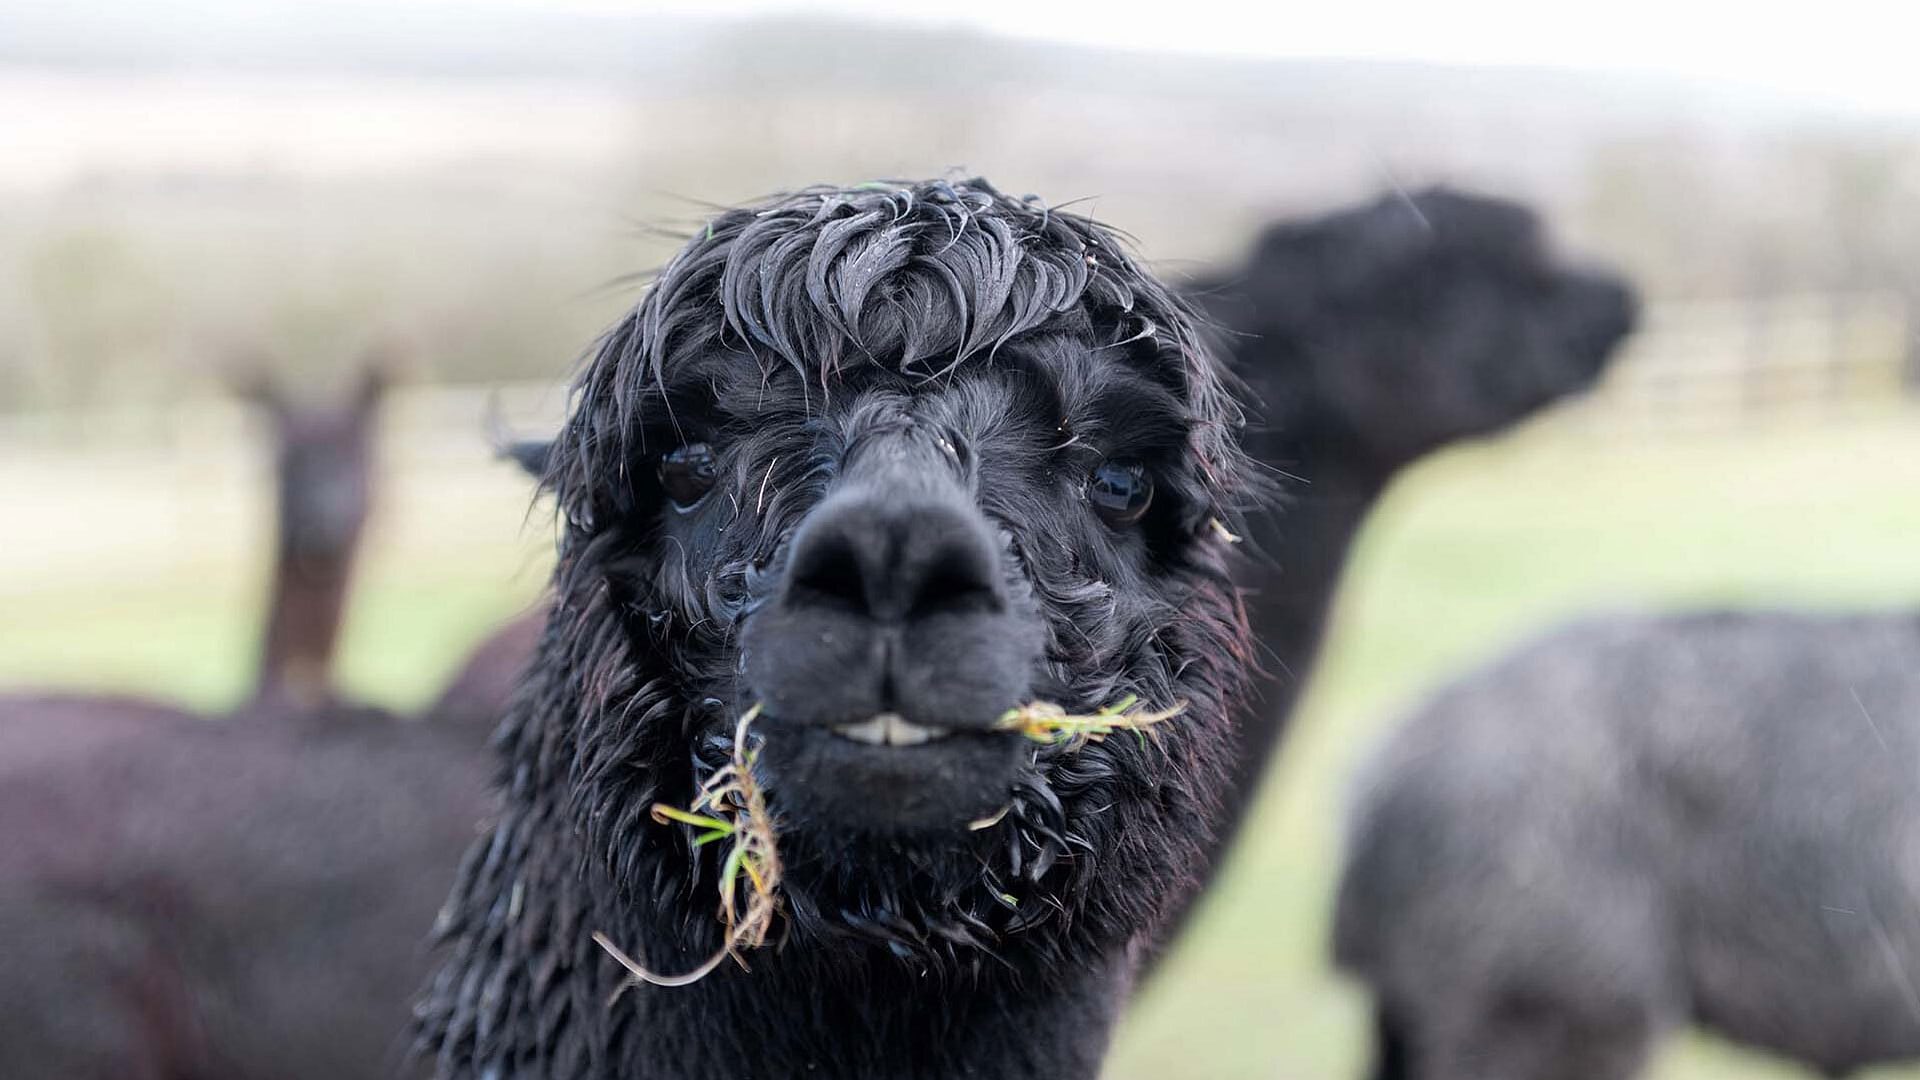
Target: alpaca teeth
point(889, 729)
point(871, 731)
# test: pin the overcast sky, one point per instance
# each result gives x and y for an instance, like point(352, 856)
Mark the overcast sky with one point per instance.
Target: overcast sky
point(1843, 51)
point(1857, 53)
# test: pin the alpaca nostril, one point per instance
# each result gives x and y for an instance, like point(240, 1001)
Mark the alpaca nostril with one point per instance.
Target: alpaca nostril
point(827, 573)
point(958, 579)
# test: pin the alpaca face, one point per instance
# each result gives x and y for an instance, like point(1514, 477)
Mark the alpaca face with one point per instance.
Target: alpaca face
point(1423, 319)
point(323, 458)
point(960, 535)
point(889, 464)
point(323, 470)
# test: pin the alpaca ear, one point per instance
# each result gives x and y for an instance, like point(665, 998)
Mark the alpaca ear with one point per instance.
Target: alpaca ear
point(380, 366)
point(532, 455)
point(249, 377)
point(371, 388)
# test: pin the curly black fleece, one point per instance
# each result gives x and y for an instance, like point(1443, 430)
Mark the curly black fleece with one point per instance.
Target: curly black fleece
point(775, 335)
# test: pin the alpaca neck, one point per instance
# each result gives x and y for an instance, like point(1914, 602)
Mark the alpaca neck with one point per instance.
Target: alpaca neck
point(306, 600)
point(801, 1014)
point(1299, 554)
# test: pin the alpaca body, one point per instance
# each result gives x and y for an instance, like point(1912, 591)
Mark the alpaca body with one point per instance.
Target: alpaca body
point(1634, 823)
point(188, 899)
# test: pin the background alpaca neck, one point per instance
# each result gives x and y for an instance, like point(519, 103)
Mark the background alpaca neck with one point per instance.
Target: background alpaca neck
point(305, 604)
point(1298, 553)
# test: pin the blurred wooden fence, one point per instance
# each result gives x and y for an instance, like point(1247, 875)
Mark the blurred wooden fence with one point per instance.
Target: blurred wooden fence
point(1721, 366)
point(1732, 365)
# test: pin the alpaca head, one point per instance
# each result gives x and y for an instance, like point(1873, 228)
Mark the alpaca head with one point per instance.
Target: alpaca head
point(323, 460)
point(888, 462)
point(1416, 321)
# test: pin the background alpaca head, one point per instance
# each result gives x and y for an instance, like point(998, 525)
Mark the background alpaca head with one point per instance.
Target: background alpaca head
point(1414, 321)
point(890, 461)
point(323, 466)
point(323, 460)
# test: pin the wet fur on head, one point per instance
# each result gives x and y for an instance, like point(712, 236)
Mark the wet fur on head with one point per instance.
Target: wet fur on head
point(1015, 345)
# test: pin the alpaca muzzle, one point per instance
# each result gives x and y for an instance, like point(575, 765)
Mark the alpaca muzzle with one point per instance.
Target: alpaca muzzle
point(890, 648)
point(894, 621)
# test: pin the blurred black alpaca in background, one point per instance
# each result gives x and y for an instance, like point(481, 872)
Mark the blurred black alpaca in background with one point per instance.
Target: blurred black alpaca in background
point(1370, 338)
point(1631, 823)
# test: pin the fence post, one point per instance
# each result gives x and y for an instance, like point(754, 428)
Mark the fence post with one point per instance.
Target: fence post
point(1910, 335)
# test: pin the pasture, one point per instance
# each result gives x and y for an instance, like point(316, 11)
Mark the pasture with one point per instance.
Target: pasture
point(137, 568)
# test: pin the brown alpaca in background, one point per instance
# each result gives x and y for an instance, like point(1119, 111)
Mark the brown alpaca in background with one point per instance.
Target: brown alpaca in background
point(323, 468)
point(188, 897)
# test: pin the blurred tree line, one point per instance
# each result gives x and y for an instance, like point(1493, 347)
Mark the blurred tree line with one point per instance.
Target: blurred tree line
point(134, 285)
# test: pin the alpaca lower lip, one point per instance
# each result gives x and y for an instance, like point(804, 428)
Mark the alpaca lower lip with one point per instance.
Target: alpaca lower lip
point(920, 783)
point(890, 729)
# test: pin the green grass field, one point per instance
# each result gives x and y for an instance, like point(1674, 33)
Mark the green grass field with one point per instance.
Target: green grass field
point(1469, 552)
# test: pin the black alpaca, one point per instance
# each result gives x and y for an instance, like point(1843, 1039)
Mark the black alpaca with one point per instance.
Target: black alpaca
point(888, 461)
point(1633, 823)
point(1370, 338)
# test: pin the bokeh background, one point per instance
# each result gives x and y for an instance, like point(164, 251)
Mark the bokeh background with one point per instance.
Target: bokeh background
point(189, 185)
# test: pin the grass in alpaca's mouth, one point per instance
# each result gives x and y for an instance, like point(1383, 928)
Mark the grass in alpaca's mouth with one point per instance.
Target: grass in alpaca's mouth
point(1044, 722)
point(732, 806)
point(1040, 721)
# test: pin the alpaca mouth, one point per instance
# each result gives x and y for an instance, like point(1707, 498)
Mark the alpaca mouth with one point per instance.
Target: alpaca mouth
point(891, 729)
point(887, 774)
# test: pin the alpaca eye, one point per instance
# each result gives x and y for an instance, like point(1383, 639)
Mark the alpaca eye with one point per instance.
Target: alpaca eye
point(687, 474)
point(1120, 491)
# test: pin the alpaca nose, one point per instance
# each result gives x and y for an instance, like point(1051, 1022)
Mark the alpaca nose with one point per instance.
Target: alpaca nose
point(894, 602)
point(1606, 310)
point(894, 561)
